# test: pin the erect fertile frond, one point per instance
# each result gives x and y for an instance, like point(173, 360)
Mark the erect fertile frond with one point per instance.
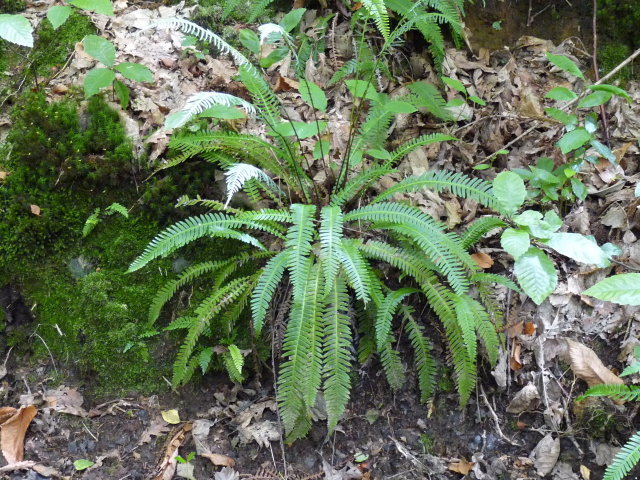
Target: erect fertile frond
point(478, 229)
point(199, 102)
point(168, 290)
point(266, 287)
point(330, 233)
point(189, 230)
point(240, 173)
point(627, 458)
point(299, 238)
point(444, 249)
point(378, 11)
point(208, 309)
point(355, 269)
point(358, 184)
point(620, 392)
point(384, 315)
point(425, 363)
point(336, 351)
point(300, 374)
point(457, 183)
point(411, 145)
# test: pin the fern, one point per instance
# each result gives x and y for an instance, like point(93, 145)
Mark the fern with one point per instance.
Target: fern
point(378, 11)
point(358, 184)
point(625, 393)
point(266, 288)
point(238, 174)
point(298, 244)
point(385, 314)
point(355, 269)
point(425, 363)
point(330, 233)
point(428, 97)
point(478, 229)
point(234, 361)
point(627, 458)
point(199, 102)
point(91, 222)
point(392, 364)
point(117, 208)
point(258, 9)
point(412, 145)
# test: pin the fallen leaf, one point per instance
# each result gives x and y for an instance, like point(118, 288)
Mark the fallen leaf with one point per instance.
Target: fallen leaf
point(461, 466)
point(529, 328)
point(585, 473)
point(219, 460)
point(545, 454)
point(514, 359)
point(526, 399)
point(59, 89)
point(158, 427)
point(13, 431)
point(3, 175)
point(166, 467)
point(226, 474)
point(515, 329)
point(82, 464)
point(171, 416)
point(284, 84)
point(587, 366)
point(186, 470)
point(35, 209)
point(482, 260)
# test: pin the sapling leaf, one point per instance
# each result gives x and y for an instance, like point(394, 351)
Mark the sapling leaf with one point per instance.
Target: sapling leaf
point(566, 64)
point(515, 242)
point(510, 191)
point(57, 15)
point(611, 89)
point(574, 139)
point(536, 274)
point(560, 93)
point(579, 248)
point(16, 29)
point(623, 289)
point(100, 49)
point(135, 72)
point(104, 7)
point(455, 84)
point(595, 99)
point(313, 95)
point(97, 79)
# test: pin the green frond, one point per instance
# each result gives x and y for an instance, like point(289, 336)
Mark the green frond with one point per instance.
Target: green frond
point(355, 269)
point(266, 287)
point(412, 145)
point(300, 374)
point(180, 323)
point(263, 97)
point(229, 7)
point(358, 184)
point(626, 393)
point(349, 68)
point(330, 232)
point(115, 207)
point(233, 362)
point(478, 229)
point(336, 352)
point(91, 222)
point(384, 315)
point(258, 9)
point(204, 359)
point(186, 201)
point(465, 313)
point(457, 183)
point(366, 332)
point(267, 215)
point(425, 363)
point(204, 312)
point(378, 11)
point(409, 264)
point(392, 364)
point(632, 369)
point(444, 249)
point(430, 98)
point(627, 458)
point(193, 228)
point(491, 278)
point(298, 243)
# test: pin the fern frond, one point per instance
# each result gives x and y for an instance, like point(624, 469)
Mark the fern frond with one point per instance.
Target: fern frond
point(199, 102)
point(632, 369)
point(478, 229)
point(240, 173)
point(206, 310)
point(349, 68)
point(336, 352)
point(358, 184)
point(180, 323)
point(491, 278)
point(425, 364)
point(392, 364)
point(627, 458)
point(625, 393)
point(258, 9)
point(457, 183)
point(91, 222)
point(189, 230)
point(229, 7)
point(387, 309)
point(330, 233)
point(263, 97)
point(366, 332)
point(465, 312)
point(266, 287)
point(116, 207)
point(185, 201)
point(298, 242)
point(267, 215)
point(378, 11)
point(428, 96)
point(204, 359)
point(412, 145)
point(399, 258)
point(355, 269)
point(234, 361)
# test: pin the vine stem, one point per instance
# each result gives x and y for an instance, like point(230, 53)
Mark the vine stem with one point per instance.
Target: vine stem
point(620, 66)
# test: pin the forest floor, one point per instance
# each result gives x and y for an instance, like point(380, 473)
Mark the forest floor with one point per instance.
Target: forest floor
point(523, 421)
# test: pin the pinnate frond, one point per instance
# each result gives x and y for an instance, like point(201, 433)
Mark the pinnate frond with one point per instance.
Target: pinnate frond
point(266, 288)
point(378, 11)
point(237, 175)
point(412, 145)
point(355, 269)
point(479, 228)
point(330, 232)
point(387, 309)
point(199, 102)
point(425, 363)
point(621, 392)
point(627, 458)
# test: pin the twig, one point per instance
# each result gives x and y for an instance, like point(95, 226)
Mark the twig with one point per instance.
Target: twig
point(620, 66)
point(89, 432)
point(495, 418)
point(596, 73)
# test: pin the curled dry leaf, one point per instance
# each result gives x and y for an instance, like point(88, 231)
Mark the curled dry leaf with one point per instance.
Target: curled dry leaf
point(514, 360)
point(461, 466)
point(587, 366)
point(545, 454)
point(35, 209)
point(13, 431)
point(526, 399)
point(219, 460)
point(482, 260)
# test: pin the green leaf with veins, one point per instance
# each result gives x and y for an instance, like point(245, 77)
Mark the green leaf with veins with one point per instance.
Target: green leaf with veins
point(578, 248)
point(573, 139)
point(623, 289)
point(57, 15)
point(536, 274)
point(100, 49)
point(510, 191)
point(97, 79)
point(515, 242)
point(135, 72)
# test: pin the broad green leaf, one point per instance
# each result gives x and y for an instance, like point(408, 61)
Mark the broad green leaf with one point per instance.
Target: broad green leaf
point(224, 112)
point(515, 242)
point(274, 57)
point(561, 116)
point(135, 72)
point(301, 130)
point(477, 100)
point(97, 79)
point(510, 191)
point(362, 89)
point(573, 139)
point(560, 93)
point(292, 19)
point(16, 29)
point(579, 189)
point(122, 92)
point(100, 48)
point(603, 150)
point(579, 248)
point(538, 226)
point(82, 464)
point(595, 99)
point(313, 94)
point(250, 40)
point(455, 84)
point(455, 102)
point(566, 64)
point(610, 249)
point(623, 289)
point(321, 149)
point(57, 15)
point(103, 7)
point(380, 154)
point(536, 274)
point(611, 89)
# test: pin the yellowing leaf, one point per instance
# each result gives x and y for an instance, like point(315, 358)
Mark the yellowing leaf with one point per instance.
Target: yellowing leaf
point(461, 466)
point(171, 416)
point(13, 431)
point(35, 209)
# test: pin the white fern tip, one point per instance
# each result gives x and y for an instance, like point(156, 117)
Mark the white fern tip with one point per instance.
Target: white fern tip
point(200, 101)
point(240, 173)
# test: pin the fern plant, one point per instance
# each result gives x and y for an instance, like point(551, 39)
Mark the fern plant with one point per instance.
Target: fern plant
point(328, 241)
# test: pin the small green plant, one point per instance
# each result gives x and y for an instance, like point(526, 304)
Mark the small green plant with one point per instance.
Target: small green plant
point(189, 458)
point(93, 219)
point(533, 268)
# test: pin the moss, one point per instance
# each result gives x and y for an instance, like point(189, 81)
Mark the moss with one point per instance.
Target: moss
point(12, 6)
point(611, 55)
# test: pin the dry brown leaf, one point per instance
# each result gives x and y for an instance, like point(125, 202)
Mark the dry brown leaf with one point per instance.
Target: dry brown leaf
point(3, 175)
point(587, 366)
point(166, 468)
point(59, 89)
point(529, 328)
point(35, 209)
point(284, 84)
point(545, 454)
point(6, 413)
point(515, 329)
point(585, 473)
point(461, 466)
point(219, 460)
point(514, 359)
point(13, 431)
point(482, 260)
